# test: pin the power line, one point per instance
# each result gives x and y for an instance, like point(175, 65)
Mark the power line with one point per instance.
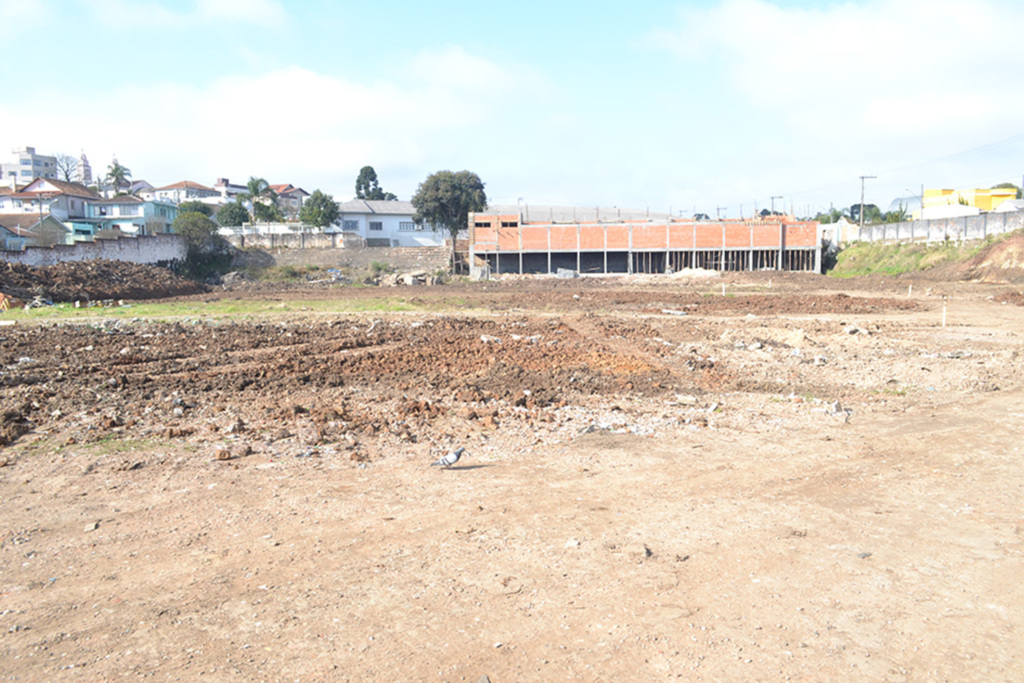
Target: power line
point(1019, 137)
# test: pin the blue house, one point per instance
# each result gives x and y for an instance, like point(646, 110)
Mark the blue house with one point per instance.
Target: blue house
point(125, 214)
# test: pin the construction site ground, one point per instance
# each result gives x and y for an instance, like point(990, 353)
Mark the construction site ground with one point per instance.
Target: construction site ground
point(749, 477)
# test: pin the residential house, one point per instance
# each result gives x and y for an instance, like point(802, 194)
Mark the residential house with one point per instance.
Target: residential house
point(24, 165)
point(227, 190)
point(386, 224)
point(85, 213)
point(48, 195)
point(128, 215)
point(20, 230)
point(289, 199)
point(143, 189)
point(185, 191)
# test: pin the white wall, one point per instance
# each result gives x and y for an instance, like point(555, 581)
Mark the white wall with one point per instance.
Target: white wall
point(160, 248)
point(391, 229)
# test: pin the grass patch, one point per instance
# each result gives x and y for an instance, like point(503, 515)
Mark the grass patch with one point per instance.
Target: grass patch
point(221, 308)
point(284, 273)
point(868, 258)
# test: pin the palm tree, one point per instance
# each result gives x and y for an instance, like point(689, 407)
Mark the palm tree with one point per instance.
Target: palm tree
point(118, 175)
point(261, 198)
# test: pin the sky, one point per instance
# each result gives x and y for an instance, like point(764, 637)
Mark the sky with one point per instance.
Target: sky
point(711, 106)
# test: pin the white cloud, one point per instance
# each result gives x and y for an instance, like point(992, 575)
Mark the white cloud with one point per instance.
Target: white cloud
point(127, 13)
point(17, 16)
point(289, 125)
point(863, 58)
point(858, 87)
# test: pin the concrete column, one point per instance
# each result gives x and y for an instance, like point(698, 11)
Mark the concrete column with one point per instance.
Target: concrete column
point(549, 249)
point(578, 247)
point(629, 252)
point(778, 266)
point(750, 253)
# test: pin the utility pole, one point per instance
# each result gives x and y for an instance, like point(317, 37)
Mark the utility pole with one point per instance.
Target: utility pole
point(862, 179)
point(718, 211)
point(773, 202)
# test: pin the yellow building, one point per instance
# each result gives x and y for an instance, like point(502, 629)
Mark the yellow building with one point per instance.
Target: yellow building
point(983, 200)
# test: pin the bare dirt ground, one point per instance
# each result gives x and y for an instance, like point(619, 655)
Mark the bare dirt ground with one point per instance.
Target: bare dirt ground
point(804, 479)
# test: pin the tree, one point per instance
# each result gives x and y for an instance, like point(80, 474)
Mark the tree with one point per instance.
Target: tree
point(445, 200)
point(268, 213)
point(367, 186)
point(262, 199)
point(899, 216)
point(196, 206)
point(320, 210)
point(832, 216)
point(200, 235)
point(872, 214)
point(232, 215)
point(67, 166)
point(118, 175)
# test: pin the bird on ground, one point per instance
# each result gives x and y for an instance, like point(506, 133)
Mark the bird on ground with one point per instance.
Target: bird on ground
point(450, 459)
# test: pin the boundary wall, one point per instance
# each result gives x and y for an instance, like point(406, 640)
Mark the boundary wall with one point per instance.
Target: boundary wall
point(959, 229)
point(148, 249)
point(295, 240)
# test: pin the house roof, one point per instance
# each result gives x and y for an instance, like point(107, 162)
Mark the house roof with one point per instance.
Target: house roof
point(288, 188)
point(384, 208)
point(63, 187)
point(122, 199)
point(21, 224)
point(186, 185)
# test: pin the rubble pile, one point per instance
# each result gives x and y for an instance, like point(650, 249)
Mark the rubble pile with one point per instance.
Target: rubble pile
point(93, 281)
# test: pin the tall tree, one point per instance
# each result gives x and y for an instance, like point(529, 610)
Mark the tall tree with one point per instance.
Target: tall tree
point(261, 198)
point(200, 235)
point(445, 200)
point(67, 166)
point(367, 186)
point(872, 214)
point(319, 210)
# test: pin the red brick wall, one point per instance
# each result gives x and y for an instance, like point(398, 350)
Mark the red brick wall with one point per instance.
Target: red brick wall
point(646, 236)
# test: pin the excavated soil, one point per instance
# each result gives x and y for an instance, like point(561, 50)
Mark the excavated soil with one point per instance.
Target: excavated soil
point(87, 281)
point(787, 481)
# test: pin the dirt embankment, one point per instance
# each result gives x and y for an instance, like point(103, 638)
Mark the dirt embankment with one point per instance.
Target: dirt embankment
point(93, 281)
point(1001, 261)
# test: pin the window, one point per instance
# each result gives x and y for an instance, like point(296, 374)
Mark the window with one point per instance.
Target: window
point(406, 225)
point(26, 162)
point(482, 224)
point(376, 225)
point(509, 224)
point(350, 226)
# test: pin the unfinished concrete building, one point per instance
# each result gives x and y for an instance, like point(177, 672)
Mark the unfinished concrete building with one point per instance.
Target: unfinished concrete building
point(505, 243)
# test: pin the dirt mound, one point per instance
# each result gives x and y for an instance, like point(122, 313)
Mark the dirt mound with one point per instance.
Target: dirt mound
point(1002, 261)
point(94, 280)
